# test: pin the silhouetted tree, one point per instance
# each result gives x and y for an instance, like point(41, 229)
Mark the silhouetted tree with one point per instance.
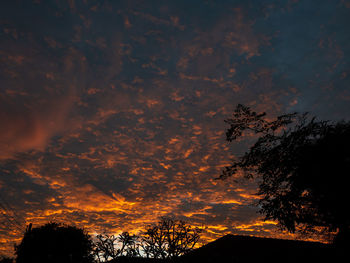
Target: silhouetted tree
point(6, 260)
point(108, 247)
point(303, 166)
point(54, 243)
point(169, 238)
point(130, 244)
point(105, 247)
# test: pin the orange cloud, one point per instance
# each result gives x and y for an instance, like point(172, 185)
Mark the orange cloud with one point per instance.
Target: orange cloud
point(30, 126)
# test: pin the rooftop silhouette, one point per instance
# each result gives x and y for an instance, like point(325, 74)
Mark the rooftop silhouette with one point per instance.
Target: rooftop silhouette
point(237, 248)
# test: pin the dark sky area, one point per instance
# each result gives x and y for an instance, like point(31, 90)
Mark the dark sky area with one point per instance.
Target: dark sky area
point(111, 112)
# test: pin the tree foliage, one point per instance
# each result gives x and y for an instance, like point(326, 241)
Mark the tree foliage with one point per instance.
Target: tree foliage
point(302, 165)
point(108, 247)
point(169, 238)
point(54, 243)
point(166, 239)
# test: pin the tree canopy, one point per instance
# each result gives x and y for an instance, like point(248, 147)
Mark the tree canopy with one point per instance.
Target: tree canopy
point(54, 243)
point(303, 166)
point(109, 247)
point(169, 239)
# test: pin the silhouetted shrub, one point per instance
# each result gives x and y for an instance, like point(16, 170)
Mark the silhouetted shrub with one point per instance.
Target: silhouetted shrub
point(54, 243)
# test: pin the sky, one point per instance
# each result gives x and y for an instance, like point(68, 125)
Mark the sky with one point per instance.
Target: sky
point(112, 112)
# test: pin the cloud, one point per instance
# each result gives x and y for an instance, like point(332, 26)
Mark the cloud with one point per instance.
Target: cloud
point(27, 124)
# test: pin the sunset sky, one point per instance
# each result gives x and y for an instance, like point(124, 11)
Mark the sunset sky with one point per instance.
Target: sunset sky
point(112, 112)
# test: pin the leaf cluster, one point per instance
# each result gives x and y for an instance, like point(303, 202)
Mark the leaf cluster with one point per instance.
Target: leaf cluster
point(301, 164)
